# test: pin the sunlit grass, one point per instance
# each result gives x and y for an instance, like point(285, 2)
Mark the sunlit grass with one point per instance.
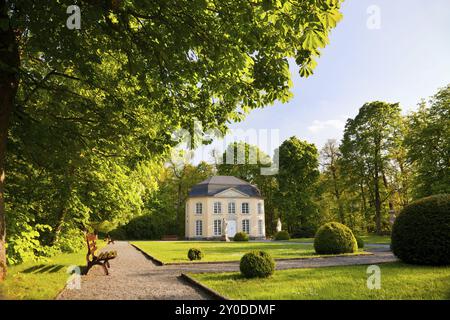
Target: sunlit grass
point(41, 280)
point(376, 239)
point(398, 281)
point(176, 251)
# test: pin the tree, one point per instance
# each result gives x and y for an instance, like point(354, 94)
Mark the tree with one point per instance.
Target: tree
point(245, 161)
point(175, 186)
point(297, 176)
point(330, 161)
point(367, 146)
point(428, 142)
point(162, 62)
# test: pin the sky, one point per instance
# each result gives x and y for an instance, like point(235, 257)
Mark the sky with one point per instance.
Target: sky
point(387, 50)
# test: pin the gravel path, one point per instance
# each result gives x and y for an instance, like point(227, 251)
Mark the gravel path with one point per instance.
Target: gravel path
point(133, 276)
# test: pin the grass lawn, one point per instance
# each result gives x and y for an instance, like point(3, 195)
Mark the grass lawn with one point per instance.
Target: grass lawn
point(372, 238)
point(398, 281)
point(176, 251)
point(376, 239)
point(41, 280)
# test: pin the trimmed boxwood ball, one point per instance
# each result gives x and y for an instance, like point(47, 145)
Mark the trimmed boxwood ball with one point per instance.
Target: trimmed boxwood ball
point(421, 232)
point(195, 254)
point(360, 242)
point(282, 235)
point(240, 236)
point(257, 264)
point(335, 238)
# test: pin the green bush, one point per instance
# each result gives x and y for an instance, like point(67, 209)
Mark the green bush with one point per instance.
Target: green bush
point(304, 231)
point(240, 236)
point(257, 264)
point(360, 242)
point(195, 254)
point(335, 238)
point(282, 235)
point(27, 245)
point(421, 232)
point(146, 227)
point(71, 240)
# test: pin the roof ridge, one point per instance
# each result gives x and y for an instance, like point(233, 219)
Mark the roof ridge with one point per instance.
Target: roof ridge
point(218, 183)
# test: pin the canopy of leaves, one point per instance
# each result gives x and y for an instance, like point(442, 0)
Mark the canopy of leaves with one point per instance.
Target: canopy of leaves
point(297, 177)
point(428, 142)
point(96, 107)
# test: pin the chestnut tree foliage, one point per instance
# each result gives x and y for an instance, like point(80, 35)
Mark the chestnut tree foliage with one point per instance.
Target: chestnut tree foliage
point(86, 115)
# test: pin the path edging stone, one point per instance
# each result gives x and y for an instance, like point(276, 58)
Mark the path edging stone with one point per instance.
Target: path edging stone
point(156, 261)
point(200, 286)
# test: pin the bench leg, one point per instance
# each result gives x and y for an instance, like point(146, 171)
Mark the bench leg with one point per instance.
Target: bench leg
point(105, 268)
point(88, 267)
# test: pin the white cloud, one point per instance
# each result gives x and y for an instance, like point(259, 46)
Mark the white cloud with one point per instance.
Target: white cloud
point(319, 125)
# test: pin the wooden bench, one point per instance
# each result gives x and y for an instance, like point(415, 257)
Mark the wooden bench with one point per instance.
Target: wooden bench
point(108, 239)
point(102, 259)
point(170, 237)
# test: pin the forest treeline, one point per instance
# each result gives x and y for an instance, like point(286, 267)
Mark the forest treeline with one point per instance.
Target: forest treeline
point(384, 161)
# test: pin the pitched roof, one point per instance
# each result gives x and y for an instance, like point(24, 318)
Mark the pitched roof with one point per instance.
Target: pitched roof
point(217, 184)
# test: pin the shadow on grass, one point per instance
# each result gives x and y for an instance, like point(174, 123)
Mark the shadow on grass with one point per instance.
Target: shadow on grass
point(44, 268)
point(222, 277)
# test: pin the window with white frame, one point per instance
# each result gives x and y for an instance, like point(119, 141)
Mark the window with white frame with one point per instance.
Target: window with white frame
point(261, 227)
point(217, 207)
point(245, 208)
point(231, 207)
point(260, 208)
point(217, 227)
point(198, 208)
point(199, 228)
point(246, 226)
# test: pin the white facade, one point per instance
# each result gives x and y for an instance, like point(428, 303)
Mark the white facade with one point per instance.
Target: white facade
point(205, 215)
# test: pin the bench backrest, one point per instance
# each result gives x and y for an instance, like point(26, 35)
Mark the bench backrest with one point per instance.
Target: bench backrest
point(91, 240)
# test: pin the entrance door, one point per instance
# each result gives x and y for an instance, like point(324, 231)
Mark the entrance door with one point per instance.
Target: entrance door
point(231, 228)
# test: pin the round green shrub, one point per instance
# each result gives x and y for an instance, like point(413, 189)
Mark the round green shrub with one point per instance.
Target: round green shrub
point(282, 235)
point(195, 254)
point(334, 238)
point(360, 242)
point(421, 232)
point(240, 236)
point(257, 264)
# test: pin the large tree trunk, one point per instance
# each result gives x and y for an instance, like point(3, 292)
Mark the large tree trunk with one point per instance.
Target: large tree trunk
point(377, 205)
point(386, 185)
point(180, 217)
point(337, 195)
point(59, 225)
point(376, 188)
point(404, 183)
point(9, 63)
